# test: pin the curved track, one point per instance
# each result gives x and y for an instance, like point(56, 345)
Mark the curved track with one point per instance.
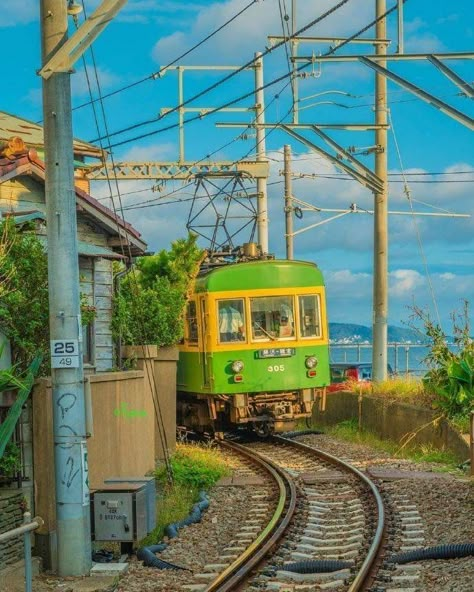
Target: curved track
point(245, 568)
point(239, 569)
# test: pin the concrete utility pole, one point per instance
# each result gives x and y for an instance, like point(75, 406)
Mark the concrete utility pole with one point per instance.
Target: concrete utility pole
point(288, 203)
point(262, 200)
point(70, 453)
point(380, 304)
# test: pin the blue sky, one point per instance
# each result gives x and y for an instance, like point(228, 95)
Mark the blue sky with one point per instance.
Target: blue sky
point(148, 34)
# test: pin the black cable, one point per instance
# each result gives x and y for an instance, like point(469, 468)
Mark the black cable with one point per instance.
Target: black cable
point(285, 30)
point(157, 74)
point(238, 99)
point(249, 64)
point(155, 398)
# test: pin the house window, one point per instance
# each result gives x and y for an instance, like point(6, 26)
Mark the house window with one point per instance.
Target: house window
point(87, 344)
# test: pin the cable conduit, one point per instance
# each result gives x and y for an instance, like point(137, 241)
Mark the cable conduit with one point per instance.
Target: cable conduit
point(452, 551)
point(147, 554)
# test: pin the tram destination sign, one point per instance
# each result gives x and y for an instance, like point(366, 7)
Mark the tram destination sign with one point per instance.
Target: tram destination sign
point(276, 352)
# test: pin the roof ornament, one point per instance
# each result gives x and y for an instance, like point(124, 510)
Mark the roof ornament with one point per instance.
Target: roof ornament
point(12, 148)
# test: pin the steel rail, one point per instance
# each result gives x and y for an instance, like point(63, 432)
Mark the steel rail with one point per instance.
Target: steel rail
point(238, 570)
point(374, 549)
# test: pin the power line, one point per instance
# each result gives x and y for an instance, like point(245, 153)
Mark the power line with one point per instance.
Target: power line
point(157, 74)
point(249, 64)
point(154, 394)
point(242, 97)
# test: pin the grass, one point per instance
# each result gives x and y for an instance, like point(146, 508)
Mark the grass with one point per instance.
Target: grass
point(195, 467)
point(405, 390)
point(349, 431)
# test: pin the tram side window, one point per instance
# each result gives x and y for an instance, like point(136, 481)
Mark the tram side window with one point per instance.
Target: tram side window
point(272, 318)
point(310, 319)
point(231, 320)
point(191, 322)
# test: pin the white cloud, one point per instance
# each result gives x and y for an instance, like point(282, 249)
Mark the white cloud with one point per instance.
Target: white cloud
point(404, 282)
point(80, 83)
point(154, 153)
point(424, 42)
point(247, 33)
point(349, 295)
point(20, 12)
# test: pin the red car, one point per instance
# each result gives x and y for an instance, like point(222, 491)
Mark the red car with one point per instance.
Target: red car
point(343, 373)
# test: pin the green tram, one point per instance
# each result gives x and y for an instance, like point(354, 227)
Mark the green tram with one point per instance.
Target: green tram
point(255, 350)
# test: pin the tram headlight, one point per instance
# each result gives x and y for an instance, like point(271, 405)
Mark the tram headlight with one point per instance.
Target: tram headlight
point(311, 362)
point(237, 366)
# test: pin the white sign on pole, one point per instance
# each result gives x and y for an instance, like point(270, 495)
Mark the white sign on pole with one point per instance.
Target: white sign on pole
point(64, 353)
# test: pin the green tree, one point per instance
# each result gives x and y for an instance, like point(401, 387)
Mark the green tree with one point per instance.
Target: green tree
point(24, 311)
point(150, 304)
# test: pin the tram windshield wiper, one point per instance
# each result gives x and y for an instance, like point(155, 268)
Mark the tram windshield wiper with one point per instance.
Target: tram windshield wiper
point(258, 326)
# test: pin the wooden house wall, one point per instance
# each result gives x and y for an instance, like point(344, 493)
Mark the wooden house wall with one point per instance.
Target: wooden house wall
point(96, 281)
point(22, 193)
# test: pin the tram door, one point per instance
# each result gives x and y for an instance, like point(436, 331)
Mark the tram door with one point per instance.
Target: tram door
point(206, 371)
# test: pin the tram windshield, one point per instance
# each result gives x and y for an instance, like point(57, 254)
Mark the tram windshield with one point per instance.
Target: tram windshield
point(231, 320)
point(272, 318)
point(310, 318)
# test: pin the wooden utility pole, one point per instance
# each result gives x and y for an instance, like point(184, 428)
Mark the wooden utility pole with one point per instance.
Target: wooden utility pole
point(288, 203)
point(380, 288)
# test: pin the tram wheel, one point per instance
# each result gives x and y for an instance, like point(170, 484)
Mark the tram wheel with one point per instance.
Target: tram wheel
point(263, 429)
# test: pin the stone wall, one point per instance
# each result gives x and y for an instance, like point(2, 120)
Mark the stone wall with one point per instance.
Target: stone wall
point(11, 516)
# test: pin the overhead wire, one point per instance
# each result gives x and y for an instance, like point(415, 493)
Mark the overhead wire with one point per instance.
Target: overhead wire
point(242, 97)
point(159, 72)
point(234, 73)
point(286, 32)
point(407, 192)
point(154, 393)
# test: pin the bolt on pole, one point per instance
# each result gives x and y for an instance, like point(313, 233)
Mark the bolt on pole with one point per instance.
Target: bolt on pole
point(380, 287)
point(288, 202)
point(262, 200)
point(70, 452)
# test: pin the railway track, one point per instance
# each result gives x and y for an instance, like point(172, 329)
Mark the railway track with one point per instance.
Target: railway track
point(327, 520)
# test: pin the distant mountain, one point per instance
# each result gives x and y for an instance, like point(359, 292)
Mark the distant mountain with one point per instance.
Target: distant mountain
point(351, 333)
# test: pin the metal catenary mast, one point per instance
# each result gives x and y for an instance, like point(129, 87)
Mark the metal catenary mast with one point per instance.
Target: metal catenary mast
point(375, 180)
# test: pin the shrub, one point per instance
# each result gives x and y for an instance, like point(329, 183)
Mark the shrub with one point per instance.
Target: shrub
point(10, 462)
point(451, 373)
point(195, 467)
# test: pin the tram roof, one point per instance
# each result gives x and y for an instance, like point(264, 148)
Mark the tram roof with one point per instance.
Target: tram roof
point(255, 275)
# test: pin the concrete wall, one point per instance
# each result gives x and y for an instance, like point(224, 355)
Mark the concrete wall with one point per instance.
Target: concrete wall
point(392, 421)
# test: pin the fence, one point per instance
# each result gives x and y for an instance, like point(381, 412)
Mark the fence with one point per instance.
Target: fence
point(25, 530)
point(404, 358)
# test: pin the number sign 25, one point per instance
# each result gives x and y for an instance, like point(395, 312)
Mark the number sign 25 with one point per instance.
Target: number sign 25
point(64, 347)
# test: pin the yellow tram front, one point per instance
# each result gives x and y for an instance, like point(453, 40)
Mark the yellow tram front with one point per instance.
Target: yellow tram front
point(256, 346)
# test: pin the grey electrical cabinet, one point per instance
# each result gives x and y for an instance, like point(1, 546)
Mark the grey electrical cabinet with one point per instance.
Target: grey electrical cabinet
point(150, 488)
point(119, 512)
